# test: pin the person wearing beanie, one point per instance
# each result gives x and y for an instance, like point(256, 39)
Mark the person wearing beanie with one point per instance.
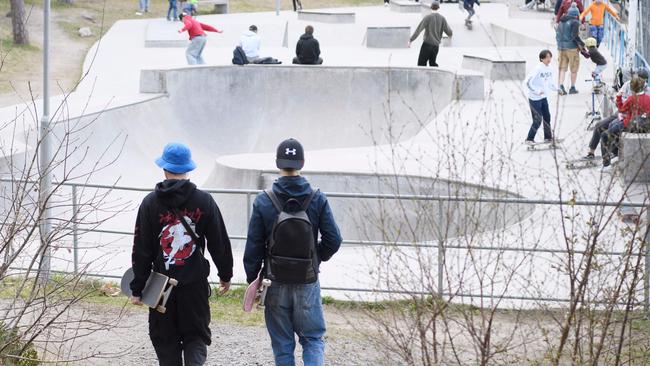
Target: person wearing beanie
point(433, 25)
point(569, 44)
point(597, 10)
point(163, 243)
point(562, 7)
point(293, 304)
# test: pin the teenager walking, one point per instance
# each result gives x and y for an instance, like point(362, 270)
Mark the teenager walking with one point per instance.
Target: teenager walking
point(290, 254)
point(164, 244)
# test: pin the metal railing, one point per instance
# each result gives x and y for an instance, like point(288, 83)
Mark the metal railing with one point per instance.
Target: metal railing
point(439, 243)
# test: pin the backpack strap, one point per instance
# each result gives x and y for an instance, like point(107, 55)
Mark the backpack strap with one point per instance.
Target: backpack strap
point(305, 205)
point(274, 199)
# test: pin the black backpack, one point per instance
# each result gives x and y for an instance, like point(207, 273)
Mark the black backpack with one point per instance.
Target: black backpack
point(239, 56)
point(291, 249)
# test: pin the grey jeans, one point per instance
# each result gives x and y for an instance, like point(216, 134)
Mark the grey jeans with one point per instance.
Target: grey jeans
point(195, 50)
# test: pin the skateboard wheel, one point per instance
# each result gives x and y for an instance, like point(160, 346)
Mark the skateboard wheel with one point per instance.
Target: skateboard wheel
point(173, 282)
point(161, 309)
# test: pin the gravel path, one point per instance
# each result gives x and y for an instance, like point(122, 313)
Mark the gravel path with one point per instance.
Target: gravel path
point(128, 343)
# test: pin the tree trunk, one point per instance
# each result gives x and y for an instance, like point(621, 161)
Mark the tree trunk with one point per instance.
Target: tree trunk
point(18, 22)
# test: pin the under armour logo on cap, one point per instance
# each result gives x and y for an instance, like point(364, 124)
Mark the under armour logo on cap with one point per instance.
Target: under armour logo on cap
point(290, 155)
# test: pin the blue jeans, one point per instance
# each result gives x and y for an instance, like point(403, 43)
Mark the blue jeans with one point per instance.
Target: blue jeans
point(195, 50)
point(598, 32)
point(539, 111)
point(295, 309)
point(144, 5)
point(609, 139)
point(172, 7)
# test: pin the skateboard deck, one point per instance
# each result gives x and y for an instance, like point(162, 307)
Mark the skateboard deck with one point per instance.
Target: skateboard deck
point(256, 291)
point(544, 145)
point(156, 291)
point(583, 163)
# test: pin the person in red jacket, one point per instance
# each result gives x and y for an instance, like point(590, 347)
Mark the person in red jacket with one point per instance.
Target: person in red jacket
point(196, 31)
point(635, 105)
point(566, 4)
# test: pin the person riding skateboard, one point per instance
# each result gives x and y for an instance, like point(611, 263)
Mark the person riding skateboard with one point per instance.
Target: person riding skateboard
point(162, 243)
point(291, 255)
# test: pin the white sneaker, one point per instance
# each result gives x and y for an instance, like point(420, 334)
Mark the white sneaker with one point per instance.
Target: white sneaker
point(529, 142)
point(138, 13)
point(607, 169)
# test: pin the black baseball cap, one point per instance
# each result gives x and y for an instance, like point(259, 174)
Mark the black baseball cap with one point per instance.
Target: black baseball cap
point(290, 155)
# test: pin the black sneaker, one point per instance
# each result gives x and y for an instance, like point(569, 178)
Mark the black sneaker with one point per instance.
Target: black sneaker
point(573, 90)
point(561, 91)
point(590, 156)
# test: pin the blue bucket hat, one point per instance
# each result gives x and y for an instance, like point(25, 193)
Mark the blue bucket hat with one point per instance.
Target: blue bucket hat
point(176, 158)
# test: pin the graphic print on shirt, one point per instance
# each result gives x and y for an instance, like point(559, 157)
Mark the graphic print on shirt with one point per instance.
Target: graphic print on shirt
point(176, 243)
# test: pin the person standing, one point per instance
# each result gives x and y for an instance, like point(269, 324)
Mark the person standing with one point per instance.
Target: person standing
point(538, 84)
point(166, 245)
point(196, 31)
point(596, 23)
point(290, 254)
point(144, 7)
point(569, 44)
point(308, 49)
point(433, 26)
point(173, 7)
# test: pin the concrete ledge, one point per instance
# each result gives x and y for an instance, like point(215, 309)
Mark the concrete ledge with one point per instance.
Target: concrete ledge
point(161, 33)
point(153, 81)
point(387, 37)
point(220, 6)
point(326, 17)
point(405, 6)
point(635, 158)
point(496, 68)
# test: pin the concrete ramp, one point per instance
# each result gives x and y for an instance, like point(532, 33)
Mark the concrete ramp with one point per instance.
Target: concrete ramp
point(496, 67)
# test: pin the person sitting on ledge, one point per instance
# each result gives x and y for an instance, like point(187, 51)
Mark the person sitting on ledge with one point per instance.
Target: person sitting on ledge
point(308, 49)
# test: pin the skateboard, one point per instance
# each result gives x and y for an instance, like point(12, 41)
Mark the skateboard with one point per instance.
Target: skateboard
point(583, 163)
point(156, 291)
point(256, 290)
point(544, 145)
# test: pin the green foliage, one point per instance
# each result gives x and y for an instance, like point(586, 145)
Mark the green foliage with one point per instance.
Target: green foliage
point(16, 352)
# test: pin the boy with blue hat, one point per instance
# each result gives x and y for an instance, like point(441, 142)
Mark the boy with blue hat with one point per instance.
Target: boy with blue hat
point(163, 244)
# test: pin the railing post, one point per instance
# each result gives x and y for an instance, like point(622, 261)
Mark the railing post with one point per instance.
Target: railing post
point(75, 235)
point(248, 209)
point(441, 252)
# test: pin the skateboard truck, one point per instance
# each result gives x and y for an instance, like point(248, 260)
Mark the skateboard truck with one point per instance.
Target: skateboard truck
point(266, 283)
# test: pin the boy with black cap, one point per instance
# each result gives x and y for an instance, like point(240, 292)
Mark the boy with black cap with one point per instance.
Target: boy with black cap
point(293, 302)
point(163, 244)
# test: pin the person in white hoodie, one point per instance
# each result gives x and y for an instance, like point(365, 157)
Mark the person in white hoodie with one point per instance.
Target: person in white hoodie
point(250, 42)
point(538, 84)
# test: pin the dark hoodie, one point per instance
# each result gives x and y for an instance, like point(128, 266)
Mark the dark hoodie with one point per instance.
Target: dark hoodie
point(264, 216)
point(568, 33)
point(307, 49)
point(162, 242)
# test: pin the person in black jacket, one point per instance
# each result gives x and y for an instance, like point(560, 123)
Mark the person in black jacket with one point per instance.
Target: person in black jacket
point(162, 244)
point(308, 49)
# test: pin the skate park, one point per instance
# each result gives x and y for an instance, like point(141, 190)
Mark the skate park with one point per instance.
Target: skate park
point(367, 116)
